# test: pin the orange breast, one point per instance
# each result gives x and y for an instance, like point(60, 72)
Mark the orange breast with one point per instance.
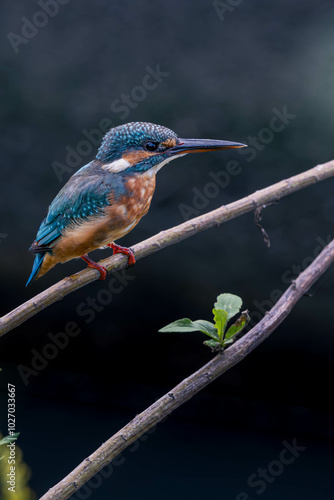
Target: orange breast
point(119, 218)
point(141, 189)
point(124, 214)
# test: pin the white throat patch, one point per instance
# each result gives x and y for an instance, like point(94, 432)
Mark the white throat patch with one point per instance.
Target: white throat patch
point(156, 168)
point(117, 166)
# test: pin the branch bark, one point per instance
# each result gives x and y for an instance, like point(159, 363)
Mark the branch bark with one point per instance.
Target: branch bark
point(165, 238)
point(193, 384)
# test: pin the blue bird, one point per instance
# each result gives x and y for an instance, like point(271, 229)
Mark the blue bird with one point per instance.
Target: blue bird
point(106, 198)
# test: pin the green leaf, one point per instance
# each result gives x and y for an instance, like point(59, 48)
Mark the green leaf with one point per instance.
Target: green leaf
point(229, 303)
point(186, 325)
point(220, 318)
point(206, 327)
point(9, 439)
point(238, 326)
point(229, 341)
point(215, 346)
point(181, 325)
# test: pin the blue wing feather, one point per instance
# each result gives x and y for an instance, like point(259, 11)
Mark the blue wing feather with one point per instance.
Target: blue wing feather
point(85, 195)
point(36, 267)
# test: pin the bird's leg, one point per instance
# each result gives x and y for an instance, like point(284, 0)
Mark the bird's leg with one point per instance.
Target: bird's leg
point(94, 265)
point(125, 250)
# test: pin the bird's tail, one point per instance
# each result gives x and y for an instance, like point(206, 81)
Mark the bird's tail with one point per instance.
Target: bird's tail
point(36, 267)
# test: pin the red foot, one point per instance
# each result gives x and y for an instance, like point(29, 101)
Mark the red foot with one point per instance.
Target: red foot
point(126, 251)
point(94, 265)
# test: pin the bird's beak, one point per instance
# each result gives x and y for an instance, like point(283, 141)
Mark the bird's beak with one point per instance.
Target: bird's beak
point(203, 145)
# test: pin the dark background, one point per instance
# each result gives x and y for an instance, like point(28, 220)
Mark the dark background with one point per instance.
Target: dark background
point(225, 78)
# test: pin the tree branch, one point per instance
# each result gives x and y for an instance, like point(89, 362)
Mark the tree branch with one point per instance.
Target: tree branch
point(164, 239)
point(193, 384)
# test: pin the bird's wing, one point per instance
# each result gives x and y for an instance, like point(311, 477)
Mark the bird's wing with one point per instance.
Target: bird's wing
point(83, 197)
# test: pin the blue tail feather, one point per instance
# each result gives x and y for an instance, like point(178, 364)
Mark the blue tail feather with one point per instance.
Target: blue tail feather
point(36, 267)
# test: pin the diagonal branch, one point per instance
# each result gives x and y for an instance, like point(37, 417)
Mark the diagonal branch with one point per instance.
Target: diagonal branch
point(164, 239)
point(193, 384)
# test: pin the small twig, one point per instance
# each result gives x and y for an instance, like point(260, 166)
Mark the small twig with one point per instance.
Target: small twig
point(193, 384)
point(257, 221)
point(164, 239)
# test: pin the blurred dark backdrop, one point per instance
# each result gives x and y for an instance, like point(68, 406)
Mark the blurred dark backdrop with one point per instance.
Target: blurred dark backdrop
point(225, 75)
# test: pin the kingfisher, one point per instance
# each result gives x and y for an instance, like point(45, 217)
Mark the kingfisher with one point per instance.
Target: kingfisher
point(105, 199)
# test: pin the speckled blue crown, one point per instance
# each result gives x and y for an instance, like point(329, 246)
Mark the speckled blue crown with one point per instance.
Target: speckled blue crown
point(133, 134)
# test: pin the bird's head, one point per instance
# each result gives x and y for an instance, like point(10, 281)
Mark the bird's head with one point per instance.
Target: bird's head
point(140, 146)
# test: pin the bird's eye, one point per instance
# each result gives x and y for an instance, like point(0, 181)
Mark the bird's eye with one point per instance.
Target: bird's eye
point(151, 146)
